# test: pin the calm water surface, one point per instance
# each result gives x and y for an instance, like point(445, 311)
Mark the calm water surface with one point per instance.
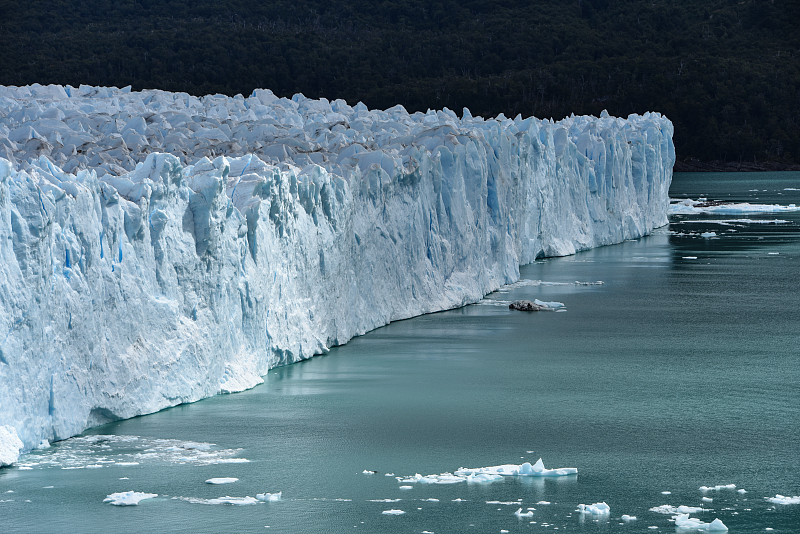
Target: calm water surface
point(679, 371)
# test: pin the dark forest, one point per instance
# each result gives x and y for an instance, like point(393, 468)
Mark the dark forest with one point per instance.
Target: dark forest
point(727, 73)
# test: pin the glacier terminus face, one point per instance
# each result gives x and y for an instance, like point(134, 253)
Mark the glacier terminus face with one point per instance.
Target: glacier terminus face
point(158, 248)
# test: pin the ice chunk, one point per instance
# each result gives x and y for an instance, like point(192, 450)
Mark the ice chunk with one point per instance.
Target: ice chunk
point(781, 499)
point(718, 487)
point(223, 480)
point(668, 509)
point(393, 512)
point(519, 513)
point(598, 508)
point(708, 234)
point(269, 497)
point(684, 522)
point(628, 518)
point(128, 498)
point(525, 469)
point(10, 445)
point(235, 501)
point(702, 205)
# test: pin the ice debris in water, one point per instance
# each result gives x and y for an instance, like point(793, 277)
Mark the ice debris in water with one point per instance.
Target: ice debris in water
point(668, 509)
point(269, 497)
point(708, 234)
point(111, 450)
point(128, 498)
point(519, 513)
point(393, 512)
point(598, 508)
point(703, 205)
point(368, 472)
point(221, 480)
point(235, 501)
point(684, 522)
point(628, 518)
point(782, 499)
point(718, 487)
point(486, 475)
point(109, 192)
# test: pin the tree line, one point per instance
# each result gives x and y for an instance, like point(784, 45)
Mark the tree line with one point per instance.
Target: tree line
point(726, 72)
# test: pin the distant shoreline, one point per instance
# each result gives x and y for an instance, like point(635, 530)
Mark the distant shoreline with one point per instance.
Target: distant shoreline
point(695, 165)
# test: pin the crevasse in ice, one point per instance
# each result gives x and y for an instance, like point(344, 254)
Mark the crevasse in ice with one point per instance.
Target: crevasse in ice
point(140, 268)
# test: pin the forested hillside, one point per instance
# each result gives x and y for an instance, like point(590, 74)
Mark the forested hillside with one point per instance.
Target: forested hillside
point(726, 72)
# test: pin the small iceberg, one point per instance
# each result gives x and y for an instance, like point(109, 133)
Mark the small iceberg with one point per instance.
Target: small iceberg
point(782, 499)
point(525, 469)
point(519, 513)
point(128, 498)
point(703, 205)
point(628, 518)
point(223, 480)
point(269, 497)
point(393, 512)
point(598, 508)
point(535, 305)
point(684, 522)
point(718, 487)
point(668, 509)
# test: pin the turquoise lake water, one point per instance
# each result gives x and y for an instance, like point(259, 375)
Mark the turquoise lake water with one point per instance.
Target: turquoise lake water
point(680, 370)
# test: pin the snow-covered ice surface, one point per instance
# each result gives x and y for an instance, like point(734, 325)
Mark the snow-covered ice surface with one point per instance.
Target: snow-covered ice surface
point(128, 498)
point(321, 222)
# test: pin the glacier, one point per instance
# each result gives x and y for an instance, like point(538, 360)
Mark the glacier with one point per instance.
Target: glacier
point(158, 248)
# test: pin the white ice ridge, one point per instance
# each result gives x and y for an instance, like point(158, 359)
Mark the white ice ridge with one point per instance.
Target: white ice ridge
point(702, 205)
point(132, 280)
point(485, 475)
point(128, 498)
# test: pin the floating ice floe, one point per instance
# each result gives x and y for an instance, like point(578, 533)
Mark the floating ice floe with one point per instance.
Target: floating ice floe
point(782, 499)
point(222, 480)
point(730, 222)
point(128, 498)
point(384, 500)
point(536, 305)
point(393, 512)
point(98, 451)
point(368, 472)
point(598, 508)
point(519, 513)
point(718, 487)
point(271, 497)
point(684, 522)
point(235, 501)
point(487, 475)
point(628, 518)
point(703, 205)
point(668, 509)
point(706, 499)
point(708, 234)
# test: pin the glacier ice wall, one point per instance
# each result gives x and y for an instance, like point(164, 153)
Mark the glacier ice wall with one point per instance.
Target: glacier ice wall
point(140, 269)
